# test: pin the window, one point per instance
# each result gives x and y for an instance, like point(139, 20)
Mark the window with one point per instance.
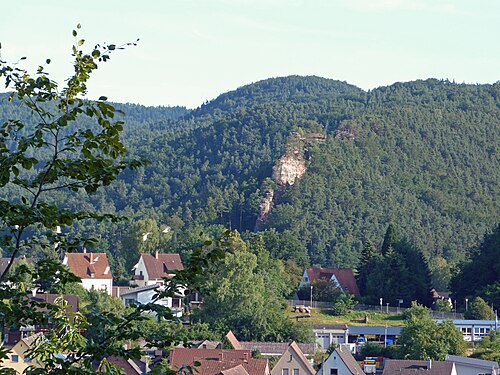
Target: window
point(334, 371)
point(14, 358)
point(27, 359)
point(295, 371)
point(284, 371)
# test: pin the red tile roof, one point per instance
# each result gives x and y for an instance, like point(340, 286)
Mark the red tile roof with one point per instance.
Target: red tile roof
point(161, 265)
point(84, 265)
point(345, 277)
point(216, 361)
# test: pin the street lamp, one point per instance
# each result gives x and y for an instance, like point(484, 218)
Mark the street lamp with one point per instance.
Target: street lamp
point(455, 314)
point(381, 300)
point(400, 301)
point(311, 296)
point(466, 304)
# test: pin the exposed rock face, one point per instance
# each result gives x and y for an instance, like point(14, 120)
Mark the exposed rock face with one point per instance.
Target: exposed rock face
point(264, 209)
point(289, 168)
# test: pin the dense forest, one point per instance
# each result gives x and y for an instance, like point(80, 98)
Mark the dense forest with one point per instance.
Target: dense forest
point(422, 154)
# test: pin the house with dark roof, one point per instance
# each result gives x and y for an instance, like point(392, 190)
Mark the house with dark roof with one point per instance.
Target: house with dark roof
point(340, 362)
point(473, 366)
point(415, 367)
point(151, 269)
point(269, 349)
point(130, 366)
point(343, 278)
point(92, 268)
point(218, 361)
point(293, 362)
point(146, 294)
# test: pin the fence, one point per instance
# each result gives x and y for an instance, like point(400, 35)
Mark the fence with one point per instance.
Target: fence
point(381, 309)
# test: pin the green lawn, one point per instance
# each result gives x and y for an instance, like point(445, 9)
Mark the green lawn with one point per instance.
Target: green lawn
point(319, 316)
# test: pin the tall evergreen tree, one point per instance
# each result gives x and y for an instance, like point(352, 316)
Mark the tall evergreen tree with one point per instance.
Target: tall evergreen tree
point(390, 238)
point(366, 265)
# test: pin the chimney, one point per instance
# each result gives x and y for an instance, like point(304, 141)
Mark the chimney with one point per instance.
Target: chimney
point(429, 364)
point(245, 357)
point(91, 258)
point(84, 250)
point(156, 254)
point(221, 356)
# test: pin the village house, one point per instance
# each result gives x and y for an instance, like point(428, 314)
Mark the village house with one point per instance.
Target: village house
point(342, 278)
point(92, 268)
point(151, 269)
point(293, 362)
point(145, 294)
point(218, 361)
point(340, 362)
point(18, 360)
point(410, 367)
point(473, 366)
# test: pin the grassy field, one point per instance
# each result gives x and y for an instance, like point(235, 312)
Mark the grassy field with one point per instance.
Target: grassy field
point(319, 316)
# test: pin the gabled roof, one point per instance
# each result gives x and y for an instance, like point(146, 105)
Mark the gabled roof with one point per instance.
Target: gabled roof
point(127, 365)
point(471, 361)
point(71, 299)
point(233, 341)
point(89, 265)
point(215, 361)
point(161, 265)
point(238, 370)
point(28, 341)
point(413, 367)
point(267, 348)
point(299, 356)
point(345, 277)
point(345, 355)
point(275, 348)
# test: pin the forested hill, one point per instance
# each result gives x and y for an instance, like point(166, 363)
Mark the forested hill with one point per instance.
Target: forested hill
point(423, 155)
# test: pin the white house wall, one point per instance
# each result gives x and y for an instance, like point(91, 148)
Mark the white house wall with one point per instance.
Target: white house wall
point(98, 284)
point(332, 362)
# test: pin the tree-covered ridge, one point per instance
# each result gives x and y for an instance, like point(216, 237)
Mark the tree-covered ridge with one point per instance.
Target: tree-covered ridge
point(421, 154)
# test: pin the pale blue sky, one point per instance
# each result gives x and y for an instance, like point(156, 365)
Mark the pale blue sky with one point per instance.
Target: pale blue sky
point(191, 51)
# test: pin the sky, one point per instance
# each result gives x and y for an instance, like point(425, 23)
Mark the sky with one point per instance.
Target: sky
point(191, 51)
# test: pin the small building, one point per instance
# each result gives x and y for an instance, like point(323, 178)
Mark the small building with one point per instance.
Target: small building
point(18, 360)
point(92, 268)
point(340, 362)
point(145, 294)
point(151, 269)
point(375, 334)
point(293, 362)
point(410, 367)
point(343, 278)
point(327, 335)
point(218, 361)
point(473, 366)
point(474, 330)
